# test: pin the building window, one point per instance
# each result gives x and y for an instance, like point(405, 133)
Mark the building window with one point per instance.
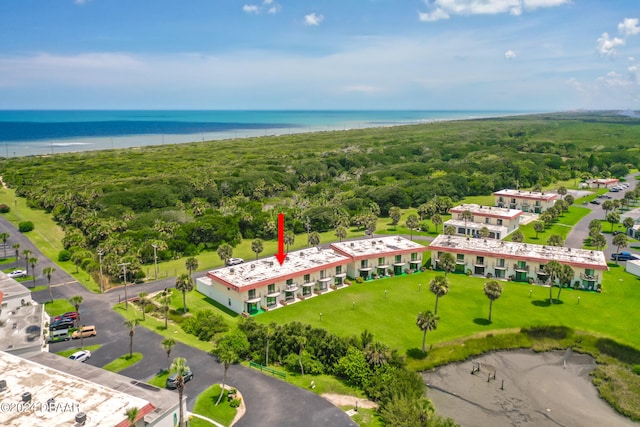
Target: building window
point(252, 293)
point(500, 199)
point(381, 261)
point(537, 202)
point(500, 262)
point(480, 260)
point(338, 269)
point(499, 222)
point(323, 274)
point(271, 288)
point(364, 263)
point(289, 282)
point(459, 257)
point(398, 258)
point(414, 256)
point(522, 264)
point(513, 200)
point(307, 278)
point(487, 221)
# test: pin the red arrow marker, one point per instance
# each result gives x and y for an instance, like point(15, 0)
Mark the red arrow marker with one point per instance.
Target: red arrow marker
point(281, 255)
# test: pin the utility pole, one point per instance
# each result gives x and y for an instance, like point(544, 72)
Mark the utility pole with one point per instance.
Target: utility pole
point(126, 299)
point(100, 253)
point(155, 258)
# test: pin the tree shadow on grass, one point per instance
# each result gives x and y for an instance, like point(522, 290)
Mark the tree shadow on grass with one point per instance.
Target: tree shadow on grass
point(546, 303)
point(416, 353)
point(481, 321)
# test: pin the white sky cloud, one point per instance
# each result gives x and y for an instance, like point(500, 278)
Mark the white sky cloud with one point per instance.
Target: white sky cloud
point(250, 8)
point(607, 45)
point(443, 9)
point(629, 27)
point(510, 54)
point(269, 5)
point(313, 19)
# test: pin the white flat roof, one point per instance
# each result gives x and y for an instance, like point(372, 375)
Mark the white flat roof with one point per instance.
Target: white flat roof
point(21, 328)
point(10, 288)
point(526, 194)
point(490, 211)
point(377, 246)
point(520, 251)
point(103, 406)
point(256, 273)
point(476, 225)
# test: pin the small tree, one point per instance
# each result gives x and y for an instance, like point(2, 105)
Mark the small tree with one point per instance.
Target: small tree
point(313, 239)
point(229, 351)
point(184, 284)
point(447, 262)
point(395, 214)
point(613, 218)
point(565, 276)
point(538, 227)
point(33, 261)
point(132, 415)
point(412, 224)
point(599, 241)
point(48, 272)
point(191, 264)
point(75, 301)
point(16, 247)
point(569, 199)
point(484, 232)
point(180, 368)
point(466, 216)
point(341, 232)
point(167, 345)
point(439, 285)
point(553, 269)
point(436, 219)
point(628, 223)
point(562, 191)
point(449, 230)
point(289, 238)
point(26, 254)
point(142, 298)
point(620, 241)
point(131, 325)
point(257, 246)
point(595, 224)
point(4, 237)
point(555, 240)
point(492, 290)
point(225, 251)
point(426, 321)
point(517, 236)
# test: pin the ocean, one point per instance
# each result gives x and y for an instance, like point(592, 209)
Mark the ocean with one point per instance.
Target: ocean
point(33, 132)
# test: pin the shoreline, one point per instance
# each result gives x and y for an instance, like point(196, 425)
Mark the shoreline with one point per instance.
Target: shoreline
point(87, 144)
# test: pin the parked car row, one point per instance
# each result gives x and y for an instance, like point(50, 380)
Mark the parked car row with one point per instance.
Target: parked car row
point(624, 256)
point(619, 187)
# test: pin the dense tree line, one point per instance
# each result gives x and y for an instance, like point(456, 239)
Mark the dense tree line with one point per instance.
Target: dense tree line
point(193, 197)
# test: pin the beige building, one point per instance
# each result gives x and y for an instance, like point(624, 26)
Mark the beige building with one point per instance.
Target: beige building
point(499, 221)
point(521, 262)
point(526, 201)
point(264, 284)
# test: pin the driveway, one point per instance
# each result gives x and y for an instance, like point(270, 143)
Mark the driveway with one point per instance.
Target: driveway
point(269, 401)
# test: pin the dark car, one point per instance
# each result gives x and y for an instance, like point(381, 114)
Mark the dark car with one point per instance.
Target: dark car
point(623, 256)
point(171, 381)
point(61, 324)
point(595, 202)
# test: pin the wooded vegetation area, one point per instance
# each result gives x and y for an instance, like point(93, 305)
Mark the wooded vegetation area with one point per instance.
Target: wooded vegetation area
point(188, 198)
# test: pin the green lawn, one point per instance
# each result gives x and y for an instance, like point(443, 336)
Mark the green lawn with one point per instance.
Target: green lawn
point(160, 380)
point(58, 307)
point(463, 312)
point(67, 353)
point(206, 406)
point(123, 362)
point(561, 226)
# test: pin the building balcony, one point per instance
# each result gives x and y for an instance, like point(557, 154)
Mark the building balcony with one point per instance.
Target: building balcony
point(253, 300)
point(589, 277)
point(308, 284)
point(516, 267)
point(273, 294)
point(382, 266)
point(341, 275)
point(325, 279)
point(365, 268)
point(460, 262)
point(480, 264)
point(291, 288)
point(499, 267)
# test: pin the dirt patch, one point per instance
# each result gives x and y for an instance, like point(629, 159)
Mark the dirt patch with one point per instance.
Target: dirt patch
point(523, 389)
point(346, 400)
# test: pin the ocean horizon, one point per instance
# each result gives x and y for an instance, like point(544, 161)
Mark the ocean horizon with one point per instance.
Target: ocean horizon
point(45, 132)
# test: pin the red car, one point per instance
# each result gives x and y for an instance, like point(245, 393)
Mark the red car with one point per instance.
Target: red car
point(71, 315)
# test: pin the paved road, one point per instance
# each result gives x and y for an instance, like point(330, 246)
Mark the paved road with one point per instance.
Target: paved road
point(269, 401)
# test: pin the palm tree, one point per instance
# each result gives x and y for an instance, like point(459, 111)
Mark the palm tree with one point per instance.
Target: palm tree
point(412, 224)
point(48, 272)
point(599, 241)
point(613, 218)
point(26, 254)
point(228, 352)
point(180, 368)
point(484, 232)
point(377, 354)
point(447, 262)
point(4, 237)
point(76, 300)
point(16, 247)
point(538, 227)
point(184, 284)
point(142, 297)
point(595, 224)
point(191, 264)
point(289, 238)
point(33, 261)
point(426, 321)
point(257, 246)
point(628, 223)
point(562, 191)
point(439, 285)
point(492, 290)
point(132, 414)
point(620, 241)
point(565, 276)
point(314, 238)
point(341, 233)
point(167, 345)
point(450, 230)
point(466, 215)
point(607, 206)
point(225, 251)
point(131, 324)
point(436, 219)
point(553, 269)
point(555, 240)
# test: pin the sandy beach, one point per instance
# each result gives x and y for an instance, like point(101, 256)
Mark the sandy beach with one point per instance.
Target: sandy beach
point(540, 389)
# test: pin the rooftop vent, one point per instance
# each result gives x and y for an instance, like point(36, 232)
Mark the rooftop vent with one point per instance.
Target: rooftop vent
point(26, 396)
point(81, 418)
point(3, 385)
point(253, 266)
point(270, 263)
point(231, 271)
point(351, 244)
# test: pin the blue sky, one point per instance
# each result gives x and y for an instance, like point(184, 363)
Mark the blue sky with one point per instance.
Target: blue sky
point(320, 54)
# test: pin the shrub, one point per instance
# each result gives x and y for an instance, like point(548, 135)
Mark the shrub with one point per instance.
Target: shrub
point(234, 403)
point(204, 325)
point(4, 208)
point(64, 255)
point(25, 226)
point(359, 279)
point(636, 369)
point(543, 331)
point(311, 366)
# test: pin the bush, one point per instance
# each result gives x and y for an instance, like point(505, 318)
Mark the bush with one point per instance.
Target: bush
point(543, 331)
point(235, 403)
point(204, 325)
point(359, 279)
point(64, 255)
point(25, 226)
point(636, 369)
point(4, 208)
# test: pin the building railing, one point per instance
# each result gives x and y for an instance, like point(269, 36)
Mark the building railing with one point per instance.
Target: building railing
point(517, 267)
point(272, 371)
point(589, 277)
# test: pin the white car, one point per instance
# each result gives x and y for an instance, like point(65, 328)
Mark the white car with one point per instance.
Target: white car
point(17, 273)
point(81, 356)
point(234, 261)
